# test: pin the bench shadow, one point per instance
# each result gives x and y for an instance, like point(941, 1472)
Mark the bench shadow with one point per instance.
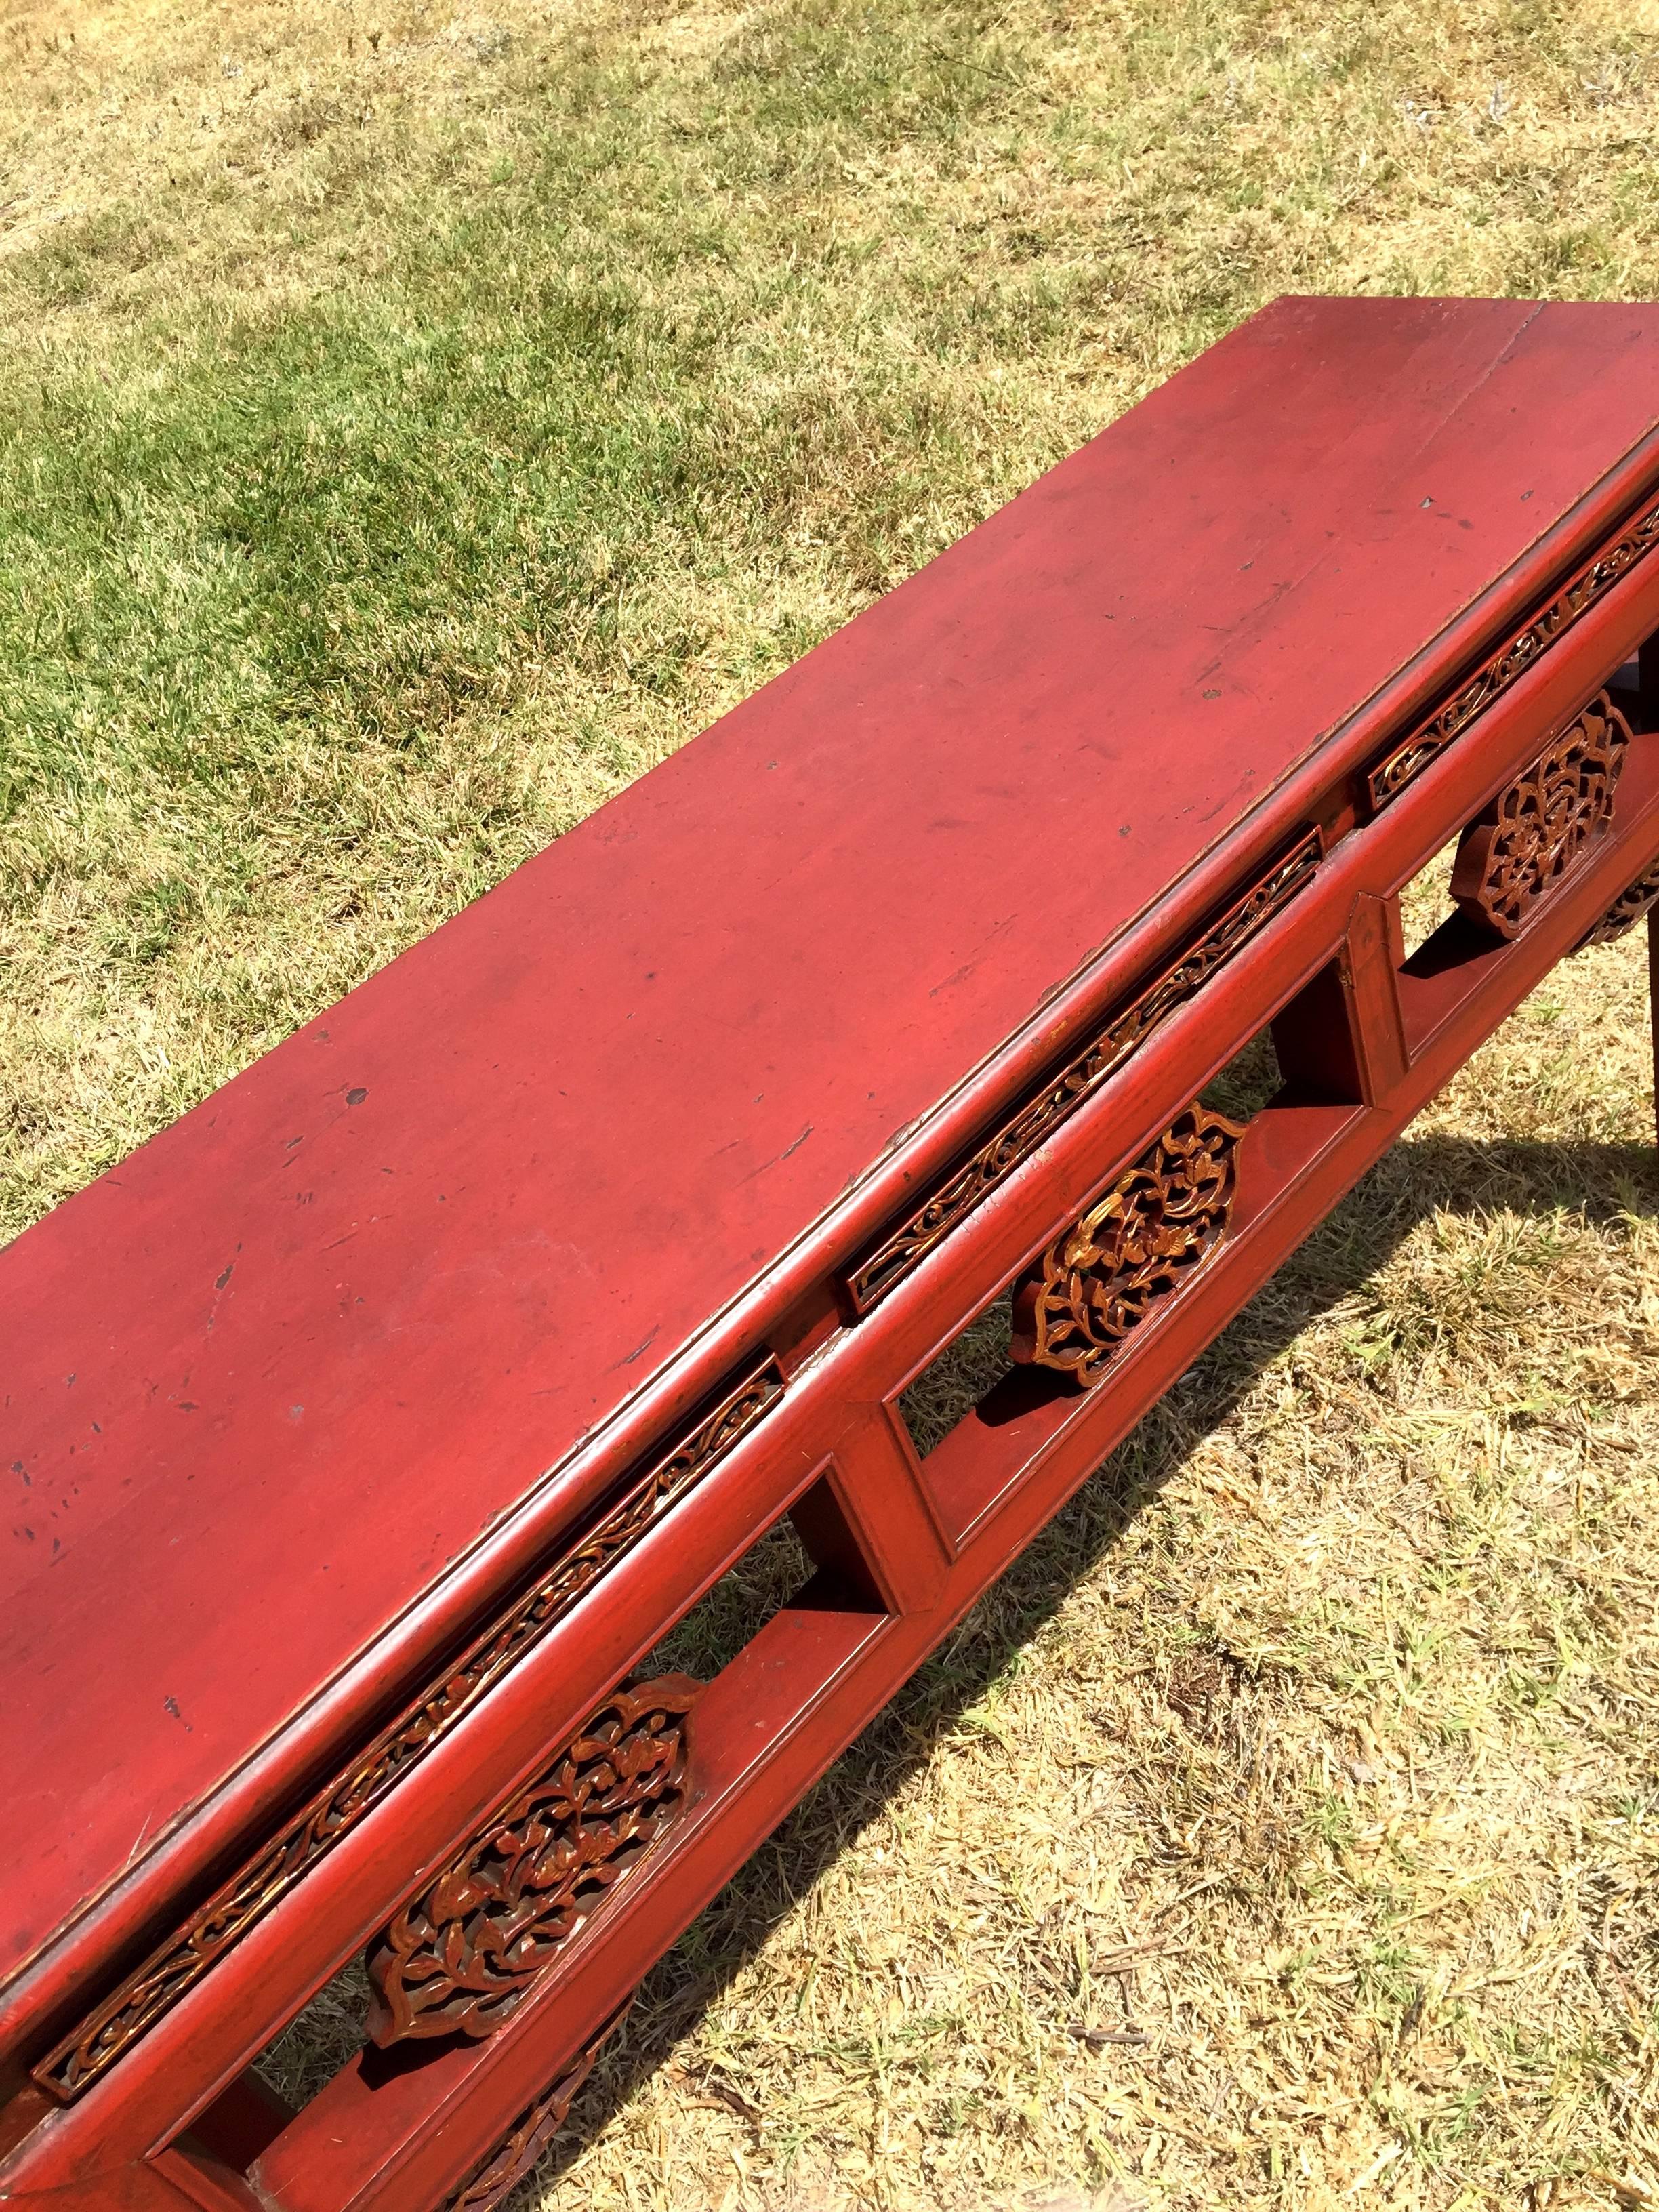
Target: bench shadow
point(1598, 1183)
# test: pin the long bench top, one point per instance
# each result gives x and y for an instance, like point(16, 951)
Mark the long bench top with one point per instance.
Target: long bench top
point(268, 1380)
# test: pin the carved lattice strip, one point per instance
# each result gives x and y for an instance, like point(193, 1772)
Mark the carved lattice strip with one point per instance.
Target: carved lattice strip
point(531, 2134)
point(1626, 910)
point(1407, 761)
point(903, 1249)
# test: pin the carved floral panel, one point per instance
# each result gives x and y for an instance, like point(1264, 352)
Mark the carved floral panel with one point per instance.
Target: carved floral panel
point(1131, 1252)
point(1407, 759)
point(1515, 852)
point(467, 1951)
point(904, 1248)
point(94, 2045)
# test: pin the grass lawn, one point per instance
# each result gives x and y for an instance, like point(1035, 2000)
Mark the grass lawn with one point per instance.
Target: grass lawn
point(414, 424)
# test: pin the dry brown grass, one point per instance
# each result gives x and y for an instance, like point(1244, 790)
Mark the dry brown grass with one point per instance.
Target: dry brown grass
point(1312, 1753)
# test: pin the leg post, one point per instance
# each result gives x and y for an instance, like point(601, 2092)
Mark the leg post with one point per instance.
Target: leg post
point(1341, 1036)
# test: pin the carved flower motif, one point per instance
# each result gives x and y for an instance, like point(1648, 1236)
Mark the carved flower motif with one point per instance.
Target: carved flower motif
point(1130, 1253)
point(465, 1953)
point(1515, 852)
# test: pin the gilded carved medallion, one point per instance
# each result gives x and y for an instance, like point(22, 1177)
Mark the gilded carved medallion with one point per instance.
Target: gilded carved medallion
point(464, 1954)
point(1518, 848)
point(1132, 1252)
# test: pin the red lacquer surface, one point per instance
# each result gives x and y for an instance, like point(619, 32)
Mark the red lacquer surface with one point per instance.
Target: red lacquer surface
point(263, 1382)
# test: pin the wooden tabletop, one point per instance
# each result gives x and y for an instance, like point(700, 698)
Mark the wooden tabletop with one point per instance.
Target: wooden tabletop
point(267, 1381)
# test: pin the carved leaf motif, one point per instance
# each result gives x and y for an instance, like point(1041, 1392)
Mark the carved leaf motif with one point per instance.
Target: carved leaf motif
point(463, 1955)
point(1132, 1252)
point(1514, 853)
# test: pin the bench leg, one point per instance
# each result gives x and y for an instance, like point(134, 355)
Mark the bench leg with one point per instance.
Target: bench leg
point(1341, 1037)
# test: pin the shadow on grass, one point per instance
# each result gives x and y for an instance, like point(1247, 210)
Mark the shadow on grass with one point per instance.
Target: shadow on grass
point(1596, 1184)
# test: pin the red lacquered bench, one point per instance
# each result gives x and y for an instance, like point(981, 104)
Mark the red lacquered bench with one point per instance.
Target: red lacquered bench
point(368, 1428)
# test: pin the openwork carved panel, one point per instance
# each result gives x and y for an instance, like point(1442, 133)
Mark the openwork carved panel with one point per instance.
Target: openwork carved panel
point(905, 1247)
point(465, 1954)
point(1408, 759)
point(1626, 910)
point(1515, 853)
point(533, 2130)
point(141, 1999)
point(1131, 1252)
